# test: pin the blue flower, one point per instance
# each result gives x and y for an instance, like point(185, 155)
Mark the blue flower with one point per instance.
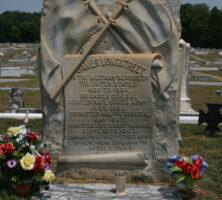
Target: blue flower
point(202, 171)
point(204, 164)
point(173, 158)
point(170, 164)
point(194, 157)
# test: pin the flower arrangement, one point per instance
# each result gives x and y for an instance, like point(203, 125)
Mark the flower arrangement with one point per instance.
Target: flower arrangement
point(189, 169)
point(23, 158)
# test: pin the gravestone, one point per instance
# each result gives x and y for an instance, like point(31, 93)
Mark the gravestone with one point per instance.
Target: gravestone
point(10, 71)
point(16, 101)
point(109, 84)
point(219, 92)
point(213, 118)
point(185, 102)
point(27, 70)
point(202, 78)
point(2, 53)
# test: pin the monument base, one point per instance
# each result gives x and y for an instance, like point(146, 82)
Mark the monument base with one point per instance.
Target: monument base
point(185, 107)
point(105, 172)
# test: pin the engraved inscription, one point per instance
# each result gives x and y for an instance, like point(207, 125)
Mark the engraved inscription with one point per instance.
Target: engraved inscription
point(109, 105)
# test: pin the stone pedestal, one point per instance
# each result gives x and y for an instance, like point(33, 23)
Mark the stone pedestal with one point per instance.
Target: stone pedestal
point(185, 102)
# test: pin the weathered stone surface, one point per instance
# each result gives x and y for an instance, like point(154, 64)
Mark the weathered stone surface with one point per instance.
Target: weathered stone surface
point(106, 191)
point(71, 31)
point(109, 109)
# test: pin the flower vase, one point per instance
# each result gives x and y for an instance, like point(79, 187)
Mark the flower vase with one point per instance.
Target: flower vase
point(183, 190)
point(21, 189)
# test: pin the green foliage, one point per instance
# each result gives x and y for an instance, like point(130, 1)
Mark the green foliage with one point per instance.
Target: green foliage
point(189, 181)
point(181, 178)
point(201, 27)
point(19, 27)
point(176, 169)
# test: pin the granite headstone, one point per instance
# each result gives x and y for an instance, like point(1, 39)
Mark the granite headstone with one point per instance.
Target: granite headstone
point(109, 84)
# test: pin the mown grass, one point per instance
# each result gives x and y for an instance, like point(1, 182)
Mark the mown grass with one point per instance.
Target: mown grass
point(11, 54)
point(216, 76)
point(197, 141)
point(33, 82)
point(201, 95)
point(210, 57)
point(32, 99)
point(4, 103)
point(35, 125)
point(213, 73)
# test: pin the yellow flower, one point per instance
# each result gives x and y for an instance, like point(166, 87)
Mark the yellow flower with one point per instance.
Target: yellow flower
point(14, 131)
point(27, 161)
point(48, 176)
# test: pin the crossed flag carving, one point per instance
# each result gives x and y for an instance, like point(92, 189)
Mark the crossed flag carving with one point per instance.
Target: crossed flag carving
point(86, 51)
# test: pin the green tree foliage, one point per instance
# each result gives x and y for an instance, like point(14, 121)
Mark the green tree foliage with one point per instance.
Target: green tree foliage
point(201, 26)
point(19, 27)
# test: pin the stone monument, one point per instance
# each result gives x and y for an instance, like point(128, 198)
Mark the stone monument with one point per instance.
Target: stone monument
point(185, 102)
point(109, 84)
point(16, 101)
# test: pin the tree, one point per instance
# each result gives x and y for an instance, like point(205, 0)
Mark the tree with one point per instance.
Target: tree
point(19, 27)
point(195, 20)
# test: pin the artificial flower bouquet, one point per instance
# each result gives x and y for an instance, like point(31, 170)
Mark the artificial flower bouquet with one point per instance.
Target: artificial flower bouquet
point(23, 158)
point(189, 169)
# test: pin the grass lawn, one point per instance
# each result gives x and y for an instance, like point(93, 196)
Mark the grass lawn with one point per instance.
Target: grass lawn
point(32, 99)
point(214, 73)
point(209, 57)
point(201, 95)
point(195, 141)
point(33, 82)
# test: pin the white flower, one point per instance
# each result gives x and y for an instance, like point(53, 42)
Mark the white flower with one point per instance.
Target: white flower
point(33, 150)
point(14, 131)
point(23, 130)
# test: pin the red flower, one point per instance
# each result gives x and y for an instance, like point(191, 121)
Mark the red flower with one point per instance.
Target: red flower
point(39, 163)
point(195, 172)
point(6, 148)
point(180, 163)
point(33, 136)
point(198, 162)
point(188, 168)
point(47, 157)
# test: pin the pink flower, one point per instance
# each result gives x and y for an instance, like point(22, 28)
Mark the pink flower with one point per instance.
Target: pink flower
point(11, 163)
